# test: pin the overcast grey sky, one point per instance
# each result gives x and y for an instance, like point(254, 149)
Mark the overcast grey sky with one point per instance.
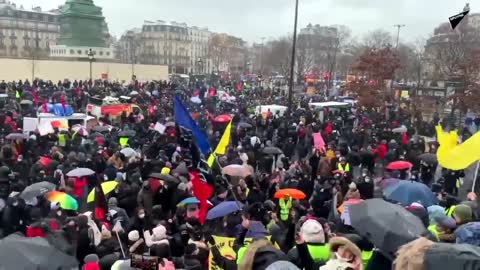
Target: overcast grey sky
point(253, 19)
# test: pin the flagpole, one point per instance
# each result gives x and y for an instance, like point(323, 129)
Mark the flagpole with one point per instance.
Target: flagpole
point(475, 176)
point(225, 182)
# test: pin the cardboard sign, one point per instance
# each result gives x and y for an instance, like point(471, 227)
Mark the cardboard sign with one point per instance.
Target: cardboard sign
point(144, 262)
point(318, 141)
point(225, 247)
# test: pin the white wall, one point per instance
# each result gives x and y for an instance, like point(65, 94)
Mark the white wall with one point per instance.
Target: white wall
point(21, 69)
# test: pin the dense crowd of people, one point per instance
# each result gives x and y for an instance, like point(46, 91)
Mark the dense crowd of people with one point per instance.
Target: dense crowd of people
point(351, 188)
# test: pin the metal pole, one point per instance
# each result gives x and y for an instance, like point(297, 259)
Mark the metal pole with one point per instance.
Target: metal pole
point(261, 57)
point(292, 62)
point(475, 176)
point(398, 32)
point(91, 72)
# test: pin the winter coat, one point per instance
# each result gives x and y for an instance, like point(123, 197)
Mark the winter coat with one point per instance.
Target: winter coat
point(145, 199)
point(84, 244)
point(324, 167)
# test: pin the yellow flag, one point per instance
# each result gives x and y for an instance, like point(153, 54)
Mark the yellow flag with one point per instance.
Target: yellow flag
point(211, 159)
point(221, 146)
point(453, 156)
point(224, 141)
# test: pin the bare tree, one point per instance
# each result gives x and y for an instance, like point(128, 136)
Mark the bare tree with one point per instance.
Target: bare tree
point(455, 59)
point(377, 39)
point(277, 56)
point(219, 49)
point(335, 46)
point(305, 55)
point(375, 66)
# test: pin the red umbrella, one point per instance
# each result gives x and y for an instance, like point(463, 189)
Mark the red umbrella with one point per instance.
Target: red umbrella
point(222, 118)
point(289, 192)
point(399, 165)
point(45, 161)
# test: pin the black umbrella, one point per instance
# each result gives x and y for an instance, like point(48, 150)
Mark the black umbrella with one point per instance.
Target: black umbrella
point(95, 135)
point(170, 124)
point(388, 226)
point(18, 252)
point(443, 256)
point(16, 136)
point(428, 158)
point(165, 177)
point(244, 125)
point(127, 133)
point(272, 151)
point(181, 169)
point(100, 129)
point(26, 102)
point(37, 189)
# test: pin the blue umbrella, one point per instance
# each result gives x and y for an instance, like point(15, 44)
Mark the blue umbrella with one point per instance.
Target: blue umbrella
point(191, 200)
point(408, 192)
point(223, 209)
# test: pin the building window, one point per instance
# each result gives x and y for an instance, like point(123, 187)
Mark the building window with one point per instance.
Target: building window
point(79, 52)
point(101, 53)
point(72, 51)
point(26, 42)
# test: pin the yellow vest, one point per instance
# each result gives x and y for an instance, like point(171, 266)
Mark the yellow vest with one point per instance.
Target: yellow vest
point(17, 94)
point(433, 230)
point(366, 256)
point(240, 254)
point(345, 170)
point(319, 252)
point(62, 141)
point(450, 210)
point(123, 142)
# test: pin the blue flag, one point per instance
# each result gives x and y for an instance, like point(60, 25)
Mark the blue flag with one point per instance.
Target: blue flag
point(183, 119)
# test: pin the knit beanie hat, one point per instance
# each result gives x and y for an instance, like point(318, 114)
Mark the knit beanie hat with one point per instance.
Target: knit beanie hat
point(463, 212)
point(91, 258)
point(282, 265)
point(133, 236)
point(312, 232)
point(159, 233)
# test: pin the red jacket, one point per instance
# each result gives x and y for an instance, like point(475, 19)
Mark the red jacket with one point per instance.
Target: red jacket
point(404, 138)
point(78, 186)
point(382, 151)
point(91, 266)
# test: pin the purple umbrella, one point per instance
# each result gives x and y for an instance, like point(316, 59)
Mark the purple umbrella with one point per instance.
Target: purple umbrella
point(223, 209)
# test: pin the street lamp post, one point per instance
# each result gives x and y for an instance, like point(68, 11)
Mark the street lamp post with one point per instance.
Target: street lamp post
point(91, 57)
point(200, 65)
point(292, 62)
point(261, 56)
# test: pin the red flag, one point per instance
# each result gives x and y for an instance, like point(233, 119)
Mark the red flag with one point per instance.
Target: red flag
point(202, 191)
point(150, 109)
point(211, 92)
point(45, 109)
point(35, 97)
point(100, 212)
point(62, 101)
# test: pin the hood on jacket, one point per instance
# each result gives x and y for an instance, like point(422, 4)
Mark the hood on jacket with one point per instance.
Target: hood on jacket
point(411, 255)
point(256, 230)
point(265, 256)
point(335, 243)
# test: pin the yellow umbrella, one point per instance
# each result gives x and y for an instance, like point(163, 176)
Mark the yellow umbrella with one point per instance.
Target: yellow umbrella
point(107, 187)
